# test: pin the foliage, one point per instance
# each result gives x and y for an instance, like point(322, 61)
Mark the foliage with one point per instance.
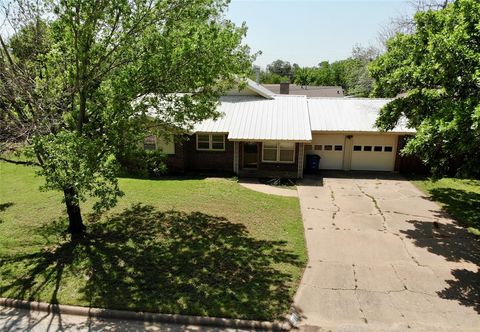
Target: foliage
point(143, 163)
point(193, 246)
point(98, 69)
point(282, 69)
point(437, 68)
point(272, 78)
point(93, 175)
point(351, 74)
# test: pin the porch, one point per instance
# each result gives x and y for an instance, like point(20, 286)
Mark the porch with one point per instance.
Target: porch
point(280, 159)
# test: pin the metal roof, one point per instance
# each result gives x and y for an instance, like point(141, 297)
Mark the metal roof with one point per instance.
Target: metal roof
point(349, 114)
point(244, 118)
point(260, 89)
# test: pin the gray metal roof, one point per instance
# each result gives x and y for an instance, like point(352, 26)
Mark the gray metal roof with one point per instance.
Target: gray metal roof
point(349, 114)
point(283, 118)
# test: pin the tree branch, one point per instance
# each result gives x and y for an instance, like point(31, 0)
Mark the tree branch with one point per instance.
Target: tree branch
point(19, 162)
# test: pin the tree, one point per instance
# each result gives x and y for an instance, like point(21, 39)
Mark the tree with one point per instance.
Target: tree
point(100, 65)
point(405, 23)
point(436, 68)
point(281, 68)
point(358, 78)
point(323, 74)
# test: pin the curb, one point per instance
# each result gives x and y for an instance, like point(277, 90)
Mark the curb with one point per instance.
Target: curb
point(145, 316)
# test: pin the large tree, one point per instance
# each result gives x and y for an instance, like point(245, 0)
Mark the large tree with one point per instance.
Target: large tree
point(76, 72)
point(281, 68)
point(436, 72)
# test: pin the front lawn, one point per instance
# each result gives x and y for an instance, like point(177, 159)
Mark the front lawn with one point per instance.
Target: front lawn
point(190, 246)
point(459, 197)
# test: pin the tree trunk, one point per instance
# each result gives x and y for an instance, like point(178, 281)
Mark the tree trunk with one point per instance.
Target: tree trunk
point(75, 222)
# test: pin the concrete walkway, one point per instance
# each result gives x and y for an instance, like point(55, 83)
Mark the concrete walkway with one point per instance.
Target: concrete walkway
point(382, 257)
point(253, 184)
point(26, 320)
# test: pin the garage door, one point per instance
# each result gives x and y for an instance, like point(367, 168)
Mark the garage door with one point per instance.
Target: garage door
point(373, 152)
point(329, 148)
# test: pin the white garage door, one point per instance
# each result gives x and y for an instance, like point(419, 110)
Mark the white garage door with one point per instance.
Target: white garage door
point(329, 148)
point(374, 152)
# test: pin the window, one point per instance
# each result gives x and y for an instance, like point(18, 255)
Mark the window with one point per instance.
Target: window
point(357, 148)
point(166, 145)
point(210, 142)
point(270, 151)
point(218, 142)
point(367, 148)
point(388, 149)
point(328, 147)
point(338, 147)
point(377, 148)
point(308, 147)
point(318, 147)
point(150, 143)
point(278, 152)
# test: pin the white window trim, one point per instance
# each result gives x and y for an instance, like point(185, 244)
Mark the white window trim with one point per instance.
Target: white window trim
point(277, 161)
point(210, 142)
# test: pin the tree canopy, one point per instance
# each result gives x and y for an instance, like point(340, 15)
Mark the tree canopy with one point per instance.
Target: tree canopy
point(77, 73)
point(351, 74)
point(436, 71)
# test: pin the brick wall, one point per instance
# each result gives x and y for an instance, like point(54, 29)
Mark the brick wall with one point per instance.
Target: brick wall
point(207, 160)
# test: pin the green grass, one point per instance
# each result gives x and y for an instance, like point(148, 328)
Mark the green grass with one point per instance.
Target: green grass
point(459, 197)
point(189, 246)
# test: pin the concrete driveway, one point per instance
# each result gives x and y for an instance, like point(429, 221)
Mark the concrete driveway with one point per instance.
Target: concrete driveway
point(382, 257)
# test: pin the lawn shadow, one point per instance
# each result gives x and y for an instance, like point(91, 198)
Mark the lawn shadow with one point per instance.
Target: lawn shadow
point(455, 244)
point(170, 262)
point(462, 205)
point(3, 207)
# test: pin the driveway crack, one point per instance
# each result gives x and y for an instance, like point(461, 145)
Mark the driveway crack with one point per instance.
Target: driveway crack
point(375, 203)
point(337, 208)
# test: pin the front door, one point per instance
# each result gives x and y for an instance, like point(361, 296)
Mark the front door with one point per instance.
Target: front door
point(250, 155)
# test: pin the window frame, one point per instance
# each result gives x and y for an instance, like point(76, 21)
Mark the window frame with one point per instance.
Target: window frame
point(210, 142)
point(153, 142)
point(278, 149)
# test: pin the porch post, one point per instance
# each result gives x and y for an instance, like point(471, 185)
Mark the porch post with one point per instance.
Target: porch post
point(300, 160)
point(235, 157)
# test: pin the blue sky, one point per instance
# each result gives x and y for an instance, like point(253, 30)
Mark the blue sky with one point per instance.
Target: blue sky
point(307, 32)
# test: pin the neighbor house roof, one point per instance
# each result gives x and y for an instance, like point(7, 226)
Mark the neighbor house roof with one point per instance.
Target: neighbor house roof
point(308, 90)
point(349, 114)
point(244, 118)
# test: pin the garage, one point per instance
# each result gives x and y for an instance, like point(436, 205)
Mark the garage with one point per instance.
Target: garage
point(373, 152)
point(330, 148)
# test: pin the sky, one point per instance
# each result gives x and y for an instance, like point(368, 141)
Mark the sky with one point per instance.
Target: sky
point(308, 32)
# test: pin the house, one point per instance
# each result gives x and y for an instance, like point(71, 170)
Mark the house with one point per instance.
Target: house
point(305, 90)
point(264, 134)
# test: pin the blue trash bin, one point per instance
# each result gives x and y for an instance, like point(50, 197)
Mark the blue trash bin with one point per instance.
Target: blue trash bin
point(313, 162)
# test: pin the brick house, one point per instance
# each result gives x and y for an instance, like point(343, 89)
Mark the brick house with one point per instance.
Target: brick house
point(269, 135)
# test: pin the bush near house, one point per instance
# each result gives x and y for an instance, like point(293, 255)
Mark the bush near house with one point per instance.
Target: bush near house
point(191, 246)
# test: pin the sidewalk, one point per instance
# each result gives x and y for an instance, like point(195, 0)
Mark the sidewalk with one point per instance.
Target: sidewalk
point(24, 320)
